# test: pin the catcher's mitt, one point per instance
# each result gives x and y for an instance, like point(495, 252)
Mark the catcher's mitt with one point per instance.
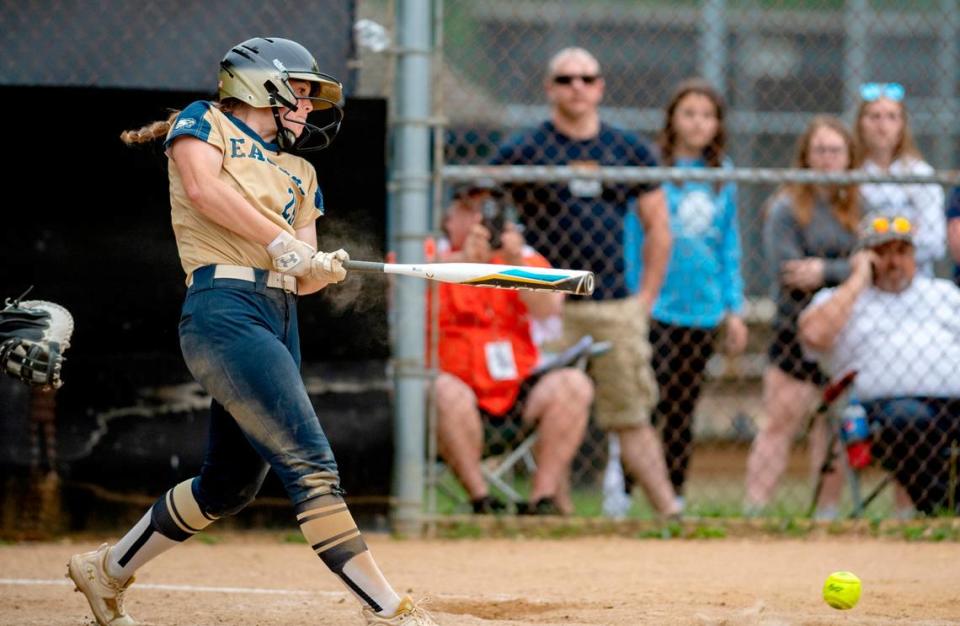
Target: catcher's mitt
point(34, 334)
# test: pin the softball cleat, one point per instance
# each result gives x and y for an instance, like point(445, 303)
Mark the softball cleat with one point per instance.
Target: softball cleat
point(104, 592)
point(408, 614)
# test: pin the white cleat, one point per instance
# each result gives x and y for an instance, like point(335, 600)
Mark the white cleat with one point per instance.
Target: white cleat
point(408, 614)
point(104, 593)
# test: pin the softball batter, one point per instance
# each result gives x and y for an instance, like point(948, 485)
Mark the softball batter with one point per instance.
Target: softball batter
point(244, 205)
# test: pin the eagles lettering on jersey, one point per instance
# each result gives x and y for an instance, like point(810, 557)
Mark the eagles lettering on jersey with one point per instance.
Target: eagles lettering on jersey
point(281, 186)
point(191, 122)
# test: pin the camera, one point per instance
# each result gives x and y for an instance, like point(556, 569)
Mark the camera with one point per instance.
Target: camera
point(494, 220)
point(495, 211)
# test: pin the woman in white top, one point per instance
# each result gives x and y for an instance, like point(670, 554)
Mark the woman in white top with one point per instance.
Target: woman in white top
point(886, 146)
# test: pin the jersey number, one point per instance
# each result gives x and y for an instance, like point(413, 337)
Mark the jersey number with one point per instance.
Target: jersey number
point(288, 211)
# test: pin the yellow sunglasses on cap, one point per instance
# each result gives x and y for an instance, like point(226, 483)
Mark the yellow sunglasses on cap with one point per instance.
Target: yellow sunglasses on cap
point(899, 225)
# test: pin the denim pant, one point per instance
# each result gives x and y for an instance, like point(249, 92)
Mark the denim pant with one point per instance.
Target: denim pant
point(241, 343)
point(913, 439)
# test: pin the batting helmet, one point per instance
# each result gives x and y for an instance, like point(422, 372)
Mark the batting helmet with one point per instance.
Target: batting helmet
point(258, 72)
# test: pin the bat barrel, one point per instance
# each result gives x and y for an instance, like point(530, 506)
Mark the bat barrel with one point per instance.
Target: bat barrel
point(486, 275)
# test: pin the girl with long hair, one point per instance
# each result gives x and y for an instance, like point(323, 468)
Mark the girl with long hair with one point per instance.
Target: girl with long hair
point(703, 288)
point(885, 145)
point(808, 235)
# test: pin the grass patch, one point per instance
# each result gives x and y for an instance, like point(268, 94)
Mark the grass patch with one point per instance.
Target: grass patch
point(708, 532)
point(929, 532)
point(294, 538)
point(788, 527)
point(461, 530)
point(723, 510)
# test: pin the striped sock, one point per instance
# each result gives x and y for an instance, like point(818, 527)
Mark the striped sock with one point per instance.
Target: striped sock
point(331, 532)
point(174, 517)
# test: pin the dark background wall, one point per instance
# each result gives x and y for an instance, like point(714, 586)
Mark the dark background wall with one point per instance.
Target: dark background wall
point(87, 224)
point(160, 44)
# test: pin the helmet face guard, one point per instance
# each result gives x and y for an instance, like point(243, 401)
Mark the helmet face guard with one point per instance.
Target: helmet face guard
point(258, 72)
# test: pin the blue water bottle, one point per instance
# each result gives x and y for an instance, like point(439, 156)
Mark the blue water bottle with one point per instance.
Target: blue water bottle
point(855, 434)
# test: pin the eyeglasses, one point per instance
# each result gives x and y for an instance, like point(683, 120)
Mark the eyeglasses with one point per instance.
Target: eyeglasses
point(871, 92)
point(567, 79)
point(828, 150)
point(883, 225)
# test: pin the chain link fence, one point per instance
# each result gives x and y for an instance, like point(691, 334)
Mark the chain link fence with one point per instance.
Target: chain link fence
point(876, 66)
point(757, 235)
point(161, 44)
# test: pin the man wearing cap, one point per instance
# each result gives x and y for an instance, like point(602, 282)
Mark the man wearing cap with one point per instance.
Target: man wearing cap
point(487, 355)
point(901, 332)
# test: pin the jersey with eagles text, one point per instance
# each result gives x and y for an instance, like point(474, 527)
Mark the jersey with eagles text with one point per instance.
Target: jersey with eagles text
point(280, 185)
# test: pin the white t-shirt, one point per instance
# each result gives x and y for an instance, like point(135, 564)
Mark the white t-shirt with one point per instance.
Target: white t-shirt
point(902, 344)
point(923, 205)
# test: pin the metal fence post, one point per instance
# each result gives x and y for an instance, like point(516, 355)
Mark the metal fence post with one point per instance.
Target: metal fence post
point(410, 199)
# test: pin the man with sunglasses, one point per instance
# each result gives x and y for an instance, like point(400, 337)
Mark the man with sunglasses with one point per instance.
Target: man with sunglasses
point(581, 223)
point(900, 331)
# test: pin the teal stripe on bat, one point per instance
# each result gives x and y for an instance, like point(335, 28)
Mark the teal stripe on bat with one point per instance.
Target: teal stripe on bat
point(532, 275)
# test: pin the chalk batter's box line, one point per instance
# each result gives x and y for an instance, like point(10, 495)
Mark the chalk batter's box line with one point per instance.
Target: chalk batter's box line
point(40, 582)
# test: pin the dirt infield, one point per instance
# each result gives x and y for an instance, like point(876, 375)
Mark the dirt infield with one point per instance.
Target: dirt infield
point(254, 578)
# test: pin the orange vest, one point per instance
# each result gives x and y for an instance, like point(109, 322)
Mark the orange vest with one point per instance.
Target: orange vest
point(470, 318)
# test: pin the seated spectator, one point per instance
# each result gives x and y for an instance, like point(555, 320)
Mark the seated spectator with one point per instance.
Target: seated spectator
point(486, 355)
point(901, 331)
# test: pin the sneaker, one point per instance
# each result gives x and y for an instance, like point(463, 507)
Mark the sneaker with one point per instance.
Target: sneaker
point(827, 513)
point(408, 614)
point(681, 504)
point(104, 592)
point(543, 506)
point(616, 505)
point(488, 505)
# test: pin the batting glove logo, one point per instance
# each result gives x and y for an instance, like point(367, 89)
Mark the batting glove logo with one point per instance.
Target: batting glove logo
point(287, 261)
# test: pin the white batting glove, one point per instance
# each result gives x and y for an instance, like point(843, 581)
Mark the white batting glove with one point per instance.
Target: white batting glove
point(328, 266)
point(290, 255)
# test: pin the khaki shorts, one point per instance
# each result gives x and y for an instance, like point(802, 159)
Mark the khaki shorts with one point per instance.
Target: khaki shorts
point(626, 388)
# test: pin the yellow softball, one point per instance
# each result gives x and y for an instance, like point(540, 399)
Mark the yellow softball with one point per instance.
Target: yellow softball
point(842, 590)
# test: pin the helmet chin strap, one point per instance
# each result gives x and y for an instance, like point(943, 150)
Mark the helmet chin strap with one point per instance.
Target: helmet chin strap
point(286, 138)
point(288, 141)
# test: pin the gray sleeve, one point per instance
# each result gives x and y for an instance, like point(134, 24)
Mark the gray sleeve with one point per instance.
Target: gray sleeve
point(781, 236)
point(835, 271)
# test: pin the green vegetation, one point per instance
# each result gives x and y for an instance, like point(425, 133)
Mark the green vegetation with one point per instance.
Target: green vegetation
point(932, 531)
point(209, 539)
point(713, 512)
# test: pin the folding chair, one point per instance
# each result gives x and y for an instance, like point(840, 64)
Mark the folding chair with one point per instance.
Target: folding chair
point(497, 470)
point(828, 411)
point(577, 355)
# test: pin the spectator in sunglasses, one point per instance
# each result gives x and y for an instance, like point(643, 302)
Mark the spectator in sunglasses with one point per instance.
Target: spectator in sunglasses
point(581, 223)
point(886, 146)
point(900, 330)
